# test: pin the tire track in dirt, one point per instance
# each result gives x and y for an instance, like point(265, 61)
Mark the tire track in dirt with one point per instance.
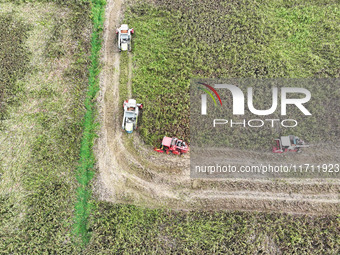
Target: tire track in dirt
point(131, 172)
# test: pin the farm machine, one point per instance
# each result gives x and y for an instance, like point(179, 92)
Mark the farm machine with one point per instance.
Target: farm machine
point(288, 143)
point(173, 145)
point(131, 110)
point(124, 34)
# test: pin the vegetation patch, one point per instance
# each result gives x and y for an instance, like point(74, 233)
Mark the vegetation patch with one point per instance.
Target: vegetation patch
point(87, 160)
point(123, 78)
point(179, 40)
point(42, 128)
point(132, 230)
point(14, 58)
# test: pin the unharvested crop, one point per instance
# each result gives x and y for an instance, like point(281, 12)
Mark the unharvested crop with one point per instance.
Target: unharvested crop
point(46, 79)
point(179, 40)
point(14, 57)
point(129, 229)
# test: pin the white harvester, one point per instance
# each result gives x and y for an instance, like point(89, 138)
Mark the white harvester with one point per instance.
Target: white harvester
point(124, 37)
point(131, 110)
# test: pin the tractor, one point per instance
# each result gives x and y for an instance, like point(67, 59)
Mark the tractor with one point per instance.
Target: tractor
point(124, 37)
point(131, 110)
point(288, 143)
point(173, 145)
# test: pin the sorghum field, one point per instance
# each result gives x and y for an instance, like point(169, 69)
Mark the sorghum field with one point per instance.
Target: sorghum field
point(179, 40)
point(50, 62)
point(44, 56)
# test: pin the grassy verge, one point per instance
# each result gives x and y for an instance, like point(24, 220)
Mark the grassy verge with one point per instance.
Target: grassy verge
point(87, 160)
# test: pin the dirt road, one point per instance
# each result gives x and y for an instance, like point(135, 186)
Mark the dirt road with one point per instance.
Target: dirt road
point(131, 172)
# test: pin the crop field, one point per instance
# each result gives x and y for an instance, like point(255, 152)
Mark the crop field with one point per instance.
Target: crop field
point(132, 230)
point(179, 40)
point(44, 54)
point(129, 174)
point(58, 59)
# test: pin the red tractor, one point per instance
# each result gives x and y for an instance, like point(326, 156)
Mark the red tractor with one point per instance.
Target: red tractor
point(173, 145)
point(289, 143)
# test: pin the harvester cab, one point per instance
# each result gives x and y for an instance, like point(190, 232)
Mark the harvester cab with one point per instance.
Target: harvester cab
point(131, 111)
point(124, 37)
point(288, 143)
point(173, 145)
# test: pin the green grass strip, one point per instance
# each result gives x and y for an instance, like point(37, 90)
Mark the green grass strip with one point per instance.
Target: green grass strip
point(85, 171)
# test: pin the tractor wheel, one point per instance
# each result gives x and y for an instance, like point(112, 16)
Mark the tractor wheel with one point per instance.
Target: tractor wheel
point(166, 149)
point(158, 150)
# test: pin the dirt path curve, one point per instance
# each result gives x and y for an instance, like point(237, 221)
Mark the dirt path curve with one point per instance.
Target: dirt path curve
point(131, 172)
